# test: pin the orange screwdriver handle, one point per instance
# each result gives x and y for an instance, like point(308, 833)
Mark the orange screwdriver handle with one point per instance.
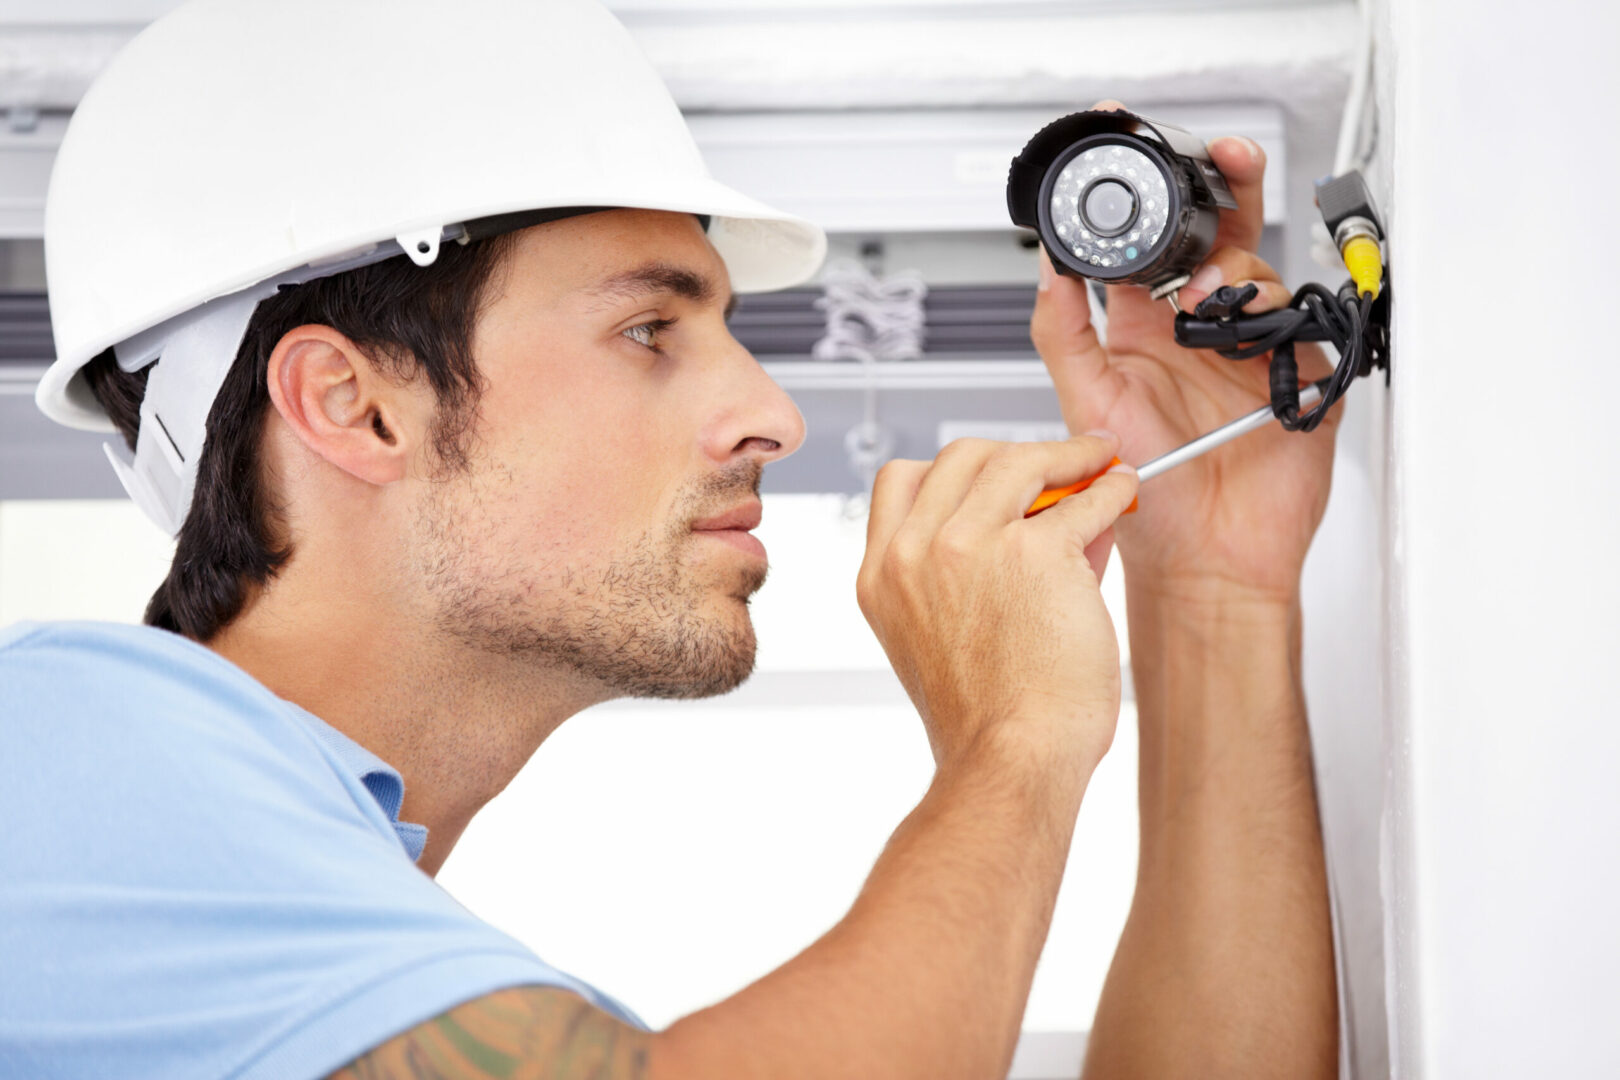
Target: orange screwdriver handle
point(1052, 495)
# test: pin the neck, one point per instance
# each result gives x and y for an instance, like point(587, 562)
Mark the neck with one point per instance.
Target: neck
point(456, 722)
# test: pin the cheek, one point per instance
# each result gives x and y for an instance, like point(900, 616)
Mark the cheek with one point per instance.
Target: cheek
point(585, 465)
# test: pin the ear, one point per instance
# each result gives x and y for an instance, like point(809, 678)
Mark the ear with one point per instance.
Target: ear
point(340, 407)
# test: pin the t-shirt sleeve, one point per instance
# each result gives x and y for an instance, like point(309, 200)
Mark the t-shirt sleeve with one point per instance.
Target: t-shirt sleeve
point(190, 886)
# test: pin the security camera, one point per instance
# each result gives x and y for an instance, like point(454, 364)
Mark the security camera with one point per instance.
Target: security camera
point(1125, 200)
point(1119, 198)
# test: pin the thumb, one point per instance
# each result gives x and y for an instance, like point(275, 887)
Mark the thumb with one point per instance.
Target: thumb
point(1098, 550)
point(1063, 334)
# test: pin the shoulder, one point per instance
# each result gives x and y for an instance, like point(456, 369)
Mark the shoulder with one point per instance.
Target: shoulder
point(187, 858)
point(144, 727)
point(132, 680)
point(74, 665)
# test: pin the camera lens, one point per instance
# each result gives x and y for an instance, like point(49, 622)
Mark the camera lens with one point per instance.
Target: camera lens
point(1119, 198)
point(1109, 207)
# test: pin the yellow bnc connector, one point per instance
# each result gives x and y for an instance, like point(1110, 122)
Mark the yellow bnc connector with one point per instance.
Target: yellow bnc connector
point(1365, 262)
point(1357, 240)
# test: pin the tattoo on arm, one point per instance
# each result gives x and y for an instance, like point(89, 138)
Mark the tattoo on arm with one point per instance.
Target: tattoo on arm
point(528, 1033)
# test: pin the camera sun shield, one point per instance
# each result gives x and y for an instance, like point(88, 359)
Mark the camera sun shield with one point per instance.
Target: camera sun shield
point(1119, 198)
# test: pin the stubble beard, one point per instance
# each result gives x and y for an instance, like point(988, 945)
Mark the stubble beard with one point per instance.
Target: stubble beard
point(637, 625)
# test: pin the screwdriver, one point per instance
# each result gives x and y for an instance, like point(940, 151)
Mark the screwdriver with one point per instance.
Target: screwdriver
point(1262, 416)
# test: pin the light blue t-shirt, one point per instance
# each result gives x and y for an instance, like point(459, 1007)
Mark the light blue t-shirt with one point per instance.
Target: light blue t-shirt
point(200, 879)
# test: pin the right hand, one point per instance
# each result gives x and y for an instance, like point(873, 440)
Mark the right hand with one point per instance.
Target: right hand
point(1231, 524)
point(993, 622)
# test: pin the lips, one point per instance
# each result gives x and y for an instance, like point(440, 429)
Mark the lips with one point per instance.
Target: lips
point(731, 528)
point(742, 518)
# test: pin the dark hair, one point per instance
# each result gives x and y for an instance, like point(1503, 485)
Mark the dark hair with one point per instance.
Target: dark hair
point(408, 320)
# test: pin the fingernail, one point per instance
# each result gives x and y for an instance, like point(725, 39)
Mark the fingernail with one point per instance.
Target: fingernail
point(1102, 433)
point(1206, 280)
point(1046, 271)
point(1123, 469)
point(1244, 141)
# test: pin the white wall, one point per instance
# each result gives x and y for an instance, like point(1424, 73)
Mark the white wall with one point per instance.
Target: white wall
point(78, 559)
point(1503, 825)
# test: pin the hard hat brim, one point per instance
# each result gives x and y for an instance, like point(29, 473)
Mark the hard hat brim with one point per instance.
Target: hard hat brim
point(763, 248)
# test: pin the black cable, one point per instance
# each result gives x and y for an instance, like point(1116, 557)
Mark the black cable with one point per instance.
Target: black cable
point(1352, 355)
point(1343, 321)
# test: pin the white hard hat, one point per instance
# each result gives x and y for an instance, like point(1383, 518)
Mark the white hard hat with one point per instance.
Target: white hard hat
point(236, 145)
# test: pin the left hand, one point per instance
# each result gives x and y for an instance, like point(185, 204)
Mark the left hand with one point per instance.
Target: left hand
point(1241, 517)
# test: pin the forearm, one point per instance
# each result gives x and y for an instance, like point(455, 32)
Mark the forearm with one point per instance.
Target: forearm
point(928, 974)
point(1226, 963)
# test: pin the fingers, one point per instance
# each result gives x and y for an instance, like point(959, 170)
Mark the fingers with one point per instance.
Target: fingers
point(978, 486)
point(948, 481)
point(1243, 164)
point(1313, 363)
point(893, 493)
point(1086, 516)
point(1017, 472)
point(1235, 266)
point(1273, 296)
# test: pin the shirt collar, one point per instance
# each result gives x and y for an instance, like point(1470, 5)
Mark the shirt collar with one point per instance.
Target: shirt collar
point(381, 779)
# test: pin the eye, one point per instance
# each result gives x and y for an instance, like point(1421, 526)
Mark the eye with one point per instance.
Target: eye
point(646, 334)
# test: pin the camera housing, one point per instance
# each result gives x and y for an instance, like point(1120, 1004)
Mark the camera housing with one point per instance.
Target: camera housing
point(1119, 198)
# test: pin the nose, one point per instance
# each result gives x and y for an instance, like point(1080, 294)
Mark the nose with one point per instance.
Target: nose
point(757, 418)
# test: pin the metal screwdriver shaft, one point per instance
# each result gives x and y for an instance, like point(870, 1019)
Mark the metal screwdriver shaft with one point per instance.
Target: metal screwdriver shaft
point(1262, 416)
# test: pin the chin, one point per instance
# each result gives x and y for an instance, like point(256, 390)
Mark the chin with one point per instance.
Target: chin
point(712, 653)
point(711, 682)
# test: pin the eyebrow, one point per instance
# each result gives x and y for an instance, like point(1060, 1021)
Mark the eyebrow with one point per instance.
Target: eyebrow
point(656, 278)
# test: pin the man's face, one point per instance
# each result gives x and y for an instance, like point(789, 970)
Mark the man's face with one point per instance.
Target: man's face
point(614, 464)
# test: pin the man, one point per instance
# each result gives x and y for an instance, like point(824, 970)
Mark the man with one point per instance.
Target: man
point(440, 508)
